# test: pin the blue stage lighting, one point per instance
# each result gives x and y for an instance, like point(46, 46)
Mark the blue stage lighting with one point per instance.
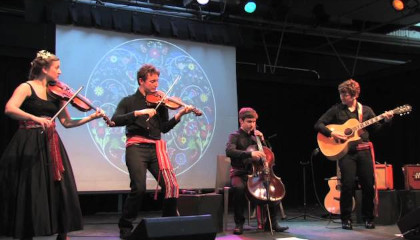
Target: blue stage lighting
point(250, 7)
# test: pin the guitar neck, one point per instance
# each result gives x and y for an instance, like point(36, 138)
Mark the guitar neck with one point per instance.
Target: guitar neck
point(370, 122)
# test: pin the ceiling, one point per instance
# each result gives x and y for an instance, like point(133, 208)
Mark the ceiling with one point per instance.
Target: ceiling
point(321, 39)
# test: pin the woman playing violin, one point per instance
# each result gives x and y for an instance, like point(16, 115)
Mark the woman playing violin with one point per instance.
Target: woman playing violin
point(145, 149)
point(38, 194)
point(241, 160)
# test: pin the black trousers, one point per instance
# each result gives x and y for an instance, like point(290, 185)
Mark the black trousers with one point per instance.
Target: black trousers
point(239, 200)
point(357, 163)
point(140, 158)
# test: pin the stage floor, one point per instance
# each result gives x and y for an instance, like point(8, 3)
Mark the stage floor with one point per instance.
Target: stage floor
point(104, 226)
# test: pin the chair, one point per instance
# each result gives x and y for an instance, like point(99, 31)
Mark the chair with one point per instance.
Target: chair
point(223, 186)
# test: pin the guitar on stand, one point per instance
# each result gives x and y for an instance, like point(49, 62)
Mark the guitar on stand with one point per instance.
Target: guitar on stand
point(332, 199)
point(334, 149)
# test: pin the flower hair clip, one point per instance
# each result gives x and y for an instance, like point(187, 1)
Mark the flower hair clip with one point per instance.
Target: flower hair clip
point(44, 54)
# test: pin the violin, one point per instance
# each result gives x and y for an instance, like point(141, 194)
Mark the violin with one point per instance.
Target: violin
point(158, 97)
point(59, 90)
point(263, 186)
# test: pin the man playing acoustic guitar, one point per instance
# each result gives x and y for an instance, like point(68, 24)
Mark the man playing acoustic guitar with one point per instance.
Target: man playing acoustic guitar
point(358, 158)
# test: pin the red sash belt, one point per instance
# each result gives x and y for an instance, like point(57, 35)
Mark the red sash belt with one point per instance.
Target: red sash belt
point(364, 146)
point(165, 166)
point(369, 146)
point(53, 146)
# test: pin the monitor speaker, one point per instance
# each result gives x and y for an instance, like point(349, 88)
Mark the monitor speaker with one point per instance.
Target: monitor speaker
point(198, 227)
point(409, 225)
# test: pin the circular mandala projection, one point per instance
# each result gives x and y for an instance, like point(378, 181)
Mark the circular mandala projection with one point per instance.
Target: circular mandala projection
point(114, 77)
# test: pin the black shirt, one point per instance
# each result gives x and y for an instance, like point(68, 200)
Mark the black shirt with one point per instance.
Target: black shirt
point(236, 147)
point(152, 129)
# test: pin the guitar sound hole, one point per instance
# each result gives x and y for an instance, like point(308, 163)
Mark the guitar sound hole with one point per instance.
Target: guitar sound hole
point(348, 132)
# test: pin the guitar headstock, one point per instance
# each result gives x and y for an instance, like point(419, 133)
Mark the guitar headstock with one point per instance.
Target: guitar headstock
point(401, 110)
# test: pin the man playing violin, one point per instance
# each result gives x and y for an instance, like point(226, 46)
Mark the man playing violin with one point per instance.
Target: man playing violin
point(241, 161)
point(145, 149)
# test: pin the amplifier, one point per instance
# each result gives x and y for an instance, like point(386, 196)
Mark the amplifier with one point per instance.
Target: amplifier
point(411, 176)
point(384, 176)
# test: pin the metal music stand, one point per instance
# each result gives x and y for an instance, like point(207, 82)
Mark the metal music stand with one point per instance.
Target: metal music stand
point(305, 215)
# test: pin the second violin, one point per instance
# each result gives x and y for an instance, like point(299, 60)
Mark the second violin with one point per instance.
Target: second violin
point(173, 103)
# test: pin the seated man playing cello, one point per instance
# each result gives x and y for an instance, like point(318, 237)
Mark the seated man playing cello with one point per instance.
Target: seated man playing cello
point(241, 161)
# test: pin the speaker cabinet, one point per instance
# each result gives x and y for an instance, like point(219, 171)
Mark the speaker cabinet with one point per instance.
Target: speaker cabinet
point(410, 199)
point(411, 176)
point(388, 211)
point(198, 227)
point(384, 177)
point(199, 204)
point(409, 225)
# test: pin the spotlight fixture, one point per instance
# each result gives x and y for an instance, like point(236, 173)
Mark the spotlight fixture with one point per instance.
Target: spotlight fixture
point(187, 3)
point(401, 5)
point(203, 2)
point(398, 5)
point(250, 6)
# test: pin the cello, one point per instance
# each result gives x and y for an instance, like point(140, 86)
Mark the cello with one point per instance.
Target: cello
point(263, 186)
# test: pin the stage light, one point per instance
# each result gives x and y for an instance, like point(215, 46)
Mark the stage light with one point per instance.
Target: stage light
point(401, 5)
point(203, 2)
point(398, 5)
point(250, 6)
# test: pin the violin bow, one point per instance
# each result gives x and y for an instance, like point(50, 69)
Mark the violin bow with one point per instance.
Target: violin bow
point(166, 94)
point(67, 103)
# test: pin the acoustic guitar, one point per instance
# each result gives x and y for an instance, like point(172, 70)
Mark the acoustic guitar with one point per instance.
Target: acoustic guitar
point(335, 149)
point(332, 199)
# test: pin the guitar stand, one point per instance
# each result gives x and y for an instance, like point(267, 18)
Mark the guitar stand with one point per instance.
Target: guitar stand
point(304, 215)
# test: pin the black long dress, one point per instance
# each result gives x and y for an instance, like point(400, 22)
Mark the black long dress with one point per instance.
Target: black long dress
point(32, 203)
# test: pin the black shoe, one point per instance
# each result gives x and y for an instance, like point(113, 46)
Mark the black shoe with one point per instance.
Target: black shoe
point(369, 224)
point(346, 224)
point(276, 227)
point(279, 228)
point(125, 233)
point(239, 229)
point(62, 236)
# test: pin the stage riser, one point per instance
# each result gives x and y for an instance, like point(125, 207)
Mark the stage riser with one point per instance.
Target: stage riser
point(393, 204)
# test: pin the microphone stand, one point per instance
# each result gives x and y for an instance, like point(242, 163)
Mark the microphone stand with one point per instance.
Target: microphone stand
point(304, 164)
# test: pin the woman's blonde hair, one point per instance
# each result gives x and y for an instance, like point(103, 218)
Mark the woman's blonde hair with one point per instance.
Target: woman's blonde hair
point(42, 60)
